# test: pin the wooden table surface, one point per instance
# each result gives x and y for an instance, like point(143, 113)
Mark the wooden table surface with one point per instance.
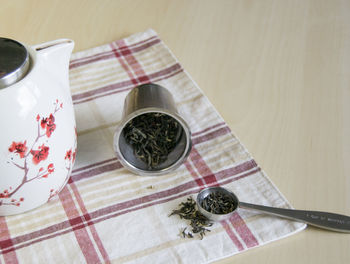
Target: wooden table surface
point(278, 71)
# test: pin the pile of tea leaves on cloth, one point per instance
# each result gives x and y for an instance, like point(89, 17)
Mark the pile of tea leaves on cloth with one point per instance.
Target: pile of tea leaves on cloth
point(198, 223)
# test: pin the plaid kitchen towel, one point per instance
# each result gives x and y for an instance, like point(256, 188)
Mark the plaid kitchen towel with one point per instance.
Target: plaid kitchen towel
point(106, 214)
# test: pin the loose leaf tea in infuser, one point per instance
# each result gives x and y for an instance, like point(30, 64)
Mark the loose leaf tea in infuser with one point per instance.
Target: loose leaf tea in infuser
point(152, 136)
point(198, 222)
point(218, 203)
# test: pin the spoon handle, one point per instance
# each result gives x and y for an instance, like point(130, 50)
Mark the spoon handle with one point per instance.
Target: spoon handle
point(330, 221)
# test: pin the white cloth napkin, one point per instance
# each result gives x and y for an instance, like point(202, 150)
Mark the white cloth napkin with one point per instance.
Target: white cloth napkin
point(106, 214)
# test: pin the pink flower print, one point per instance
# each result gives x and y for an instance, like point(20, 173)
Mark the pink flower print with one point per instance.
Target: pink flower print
point(49, 124)
point(43, 122)
point(50, 168)
point(19, 148)
point(68, 155)
point(41, 154)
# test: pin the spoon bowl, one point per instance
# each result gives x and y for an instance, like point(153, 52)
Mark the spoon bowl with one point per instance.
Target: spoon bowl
point(204, 194)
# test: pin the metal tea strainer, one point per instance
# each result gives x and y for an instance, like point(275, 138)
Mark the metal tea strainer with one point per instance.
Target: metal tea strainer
point(141, 100)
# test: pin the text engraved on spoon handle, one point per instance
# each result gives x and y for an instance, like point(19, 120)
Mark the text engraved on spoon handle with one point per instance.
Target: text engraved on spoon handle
point(331, 221)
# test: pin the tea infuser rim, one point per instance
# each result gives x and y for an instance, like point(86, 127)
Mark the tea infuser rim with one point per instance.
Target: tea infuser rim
point(159, 172)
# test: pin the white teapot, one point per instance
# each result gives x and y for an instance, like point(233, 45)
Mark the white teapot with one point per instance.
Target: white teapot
point(38, 133)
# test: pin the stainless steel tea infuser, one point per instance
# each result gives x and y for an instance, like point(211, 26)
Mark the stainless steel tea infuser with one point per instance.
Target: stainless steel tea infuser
point(151, 98)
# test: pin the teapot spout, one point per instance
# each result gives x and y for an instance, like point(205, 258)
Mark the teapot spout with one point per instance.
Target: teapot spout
point(54, 56)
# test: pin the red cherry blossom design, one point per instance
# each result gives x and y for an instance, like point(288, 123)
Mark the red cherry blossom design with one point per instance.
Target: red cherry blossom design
point(51, 118)
point(19, 148)
point(50, 168)
point(49, 124)
point(46, 126)
point(50, 128)
point(68, 155)
point(43, 122)
point(41, 154)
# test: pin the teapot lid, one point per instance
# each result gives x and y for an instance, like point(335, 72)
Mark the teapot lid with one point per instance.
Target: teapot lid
point(14, 62)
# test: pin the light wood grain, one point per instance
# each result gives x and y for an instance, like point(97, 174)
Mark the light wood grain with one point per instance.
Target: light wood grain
point(277, 71)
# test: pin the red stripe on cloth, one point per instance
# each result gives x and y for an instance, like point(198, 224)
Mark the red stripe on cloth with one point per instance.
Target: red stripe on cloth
point(99, 57)
point(92, 227)
point(103, 95)
point(243, 230)
point(232, 236)
point(143, 199)
point(197, 179)
point(95, 171)
point(204, 170)
point(160, 201)
point(122, 86)
point(94, 164)
point(139, 45)
point(132, 61)
point(110, 54)
point(219, 132)
point(81, 234)
point(248, 165)
point(126, 89)
point(229, 180)
point(125, 85)
point(123, 64)
point(6, 242)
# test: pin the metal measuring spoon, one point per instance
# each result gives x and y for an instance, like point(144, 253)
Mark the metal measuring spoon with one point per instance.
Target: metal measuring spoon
point(330, 221)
